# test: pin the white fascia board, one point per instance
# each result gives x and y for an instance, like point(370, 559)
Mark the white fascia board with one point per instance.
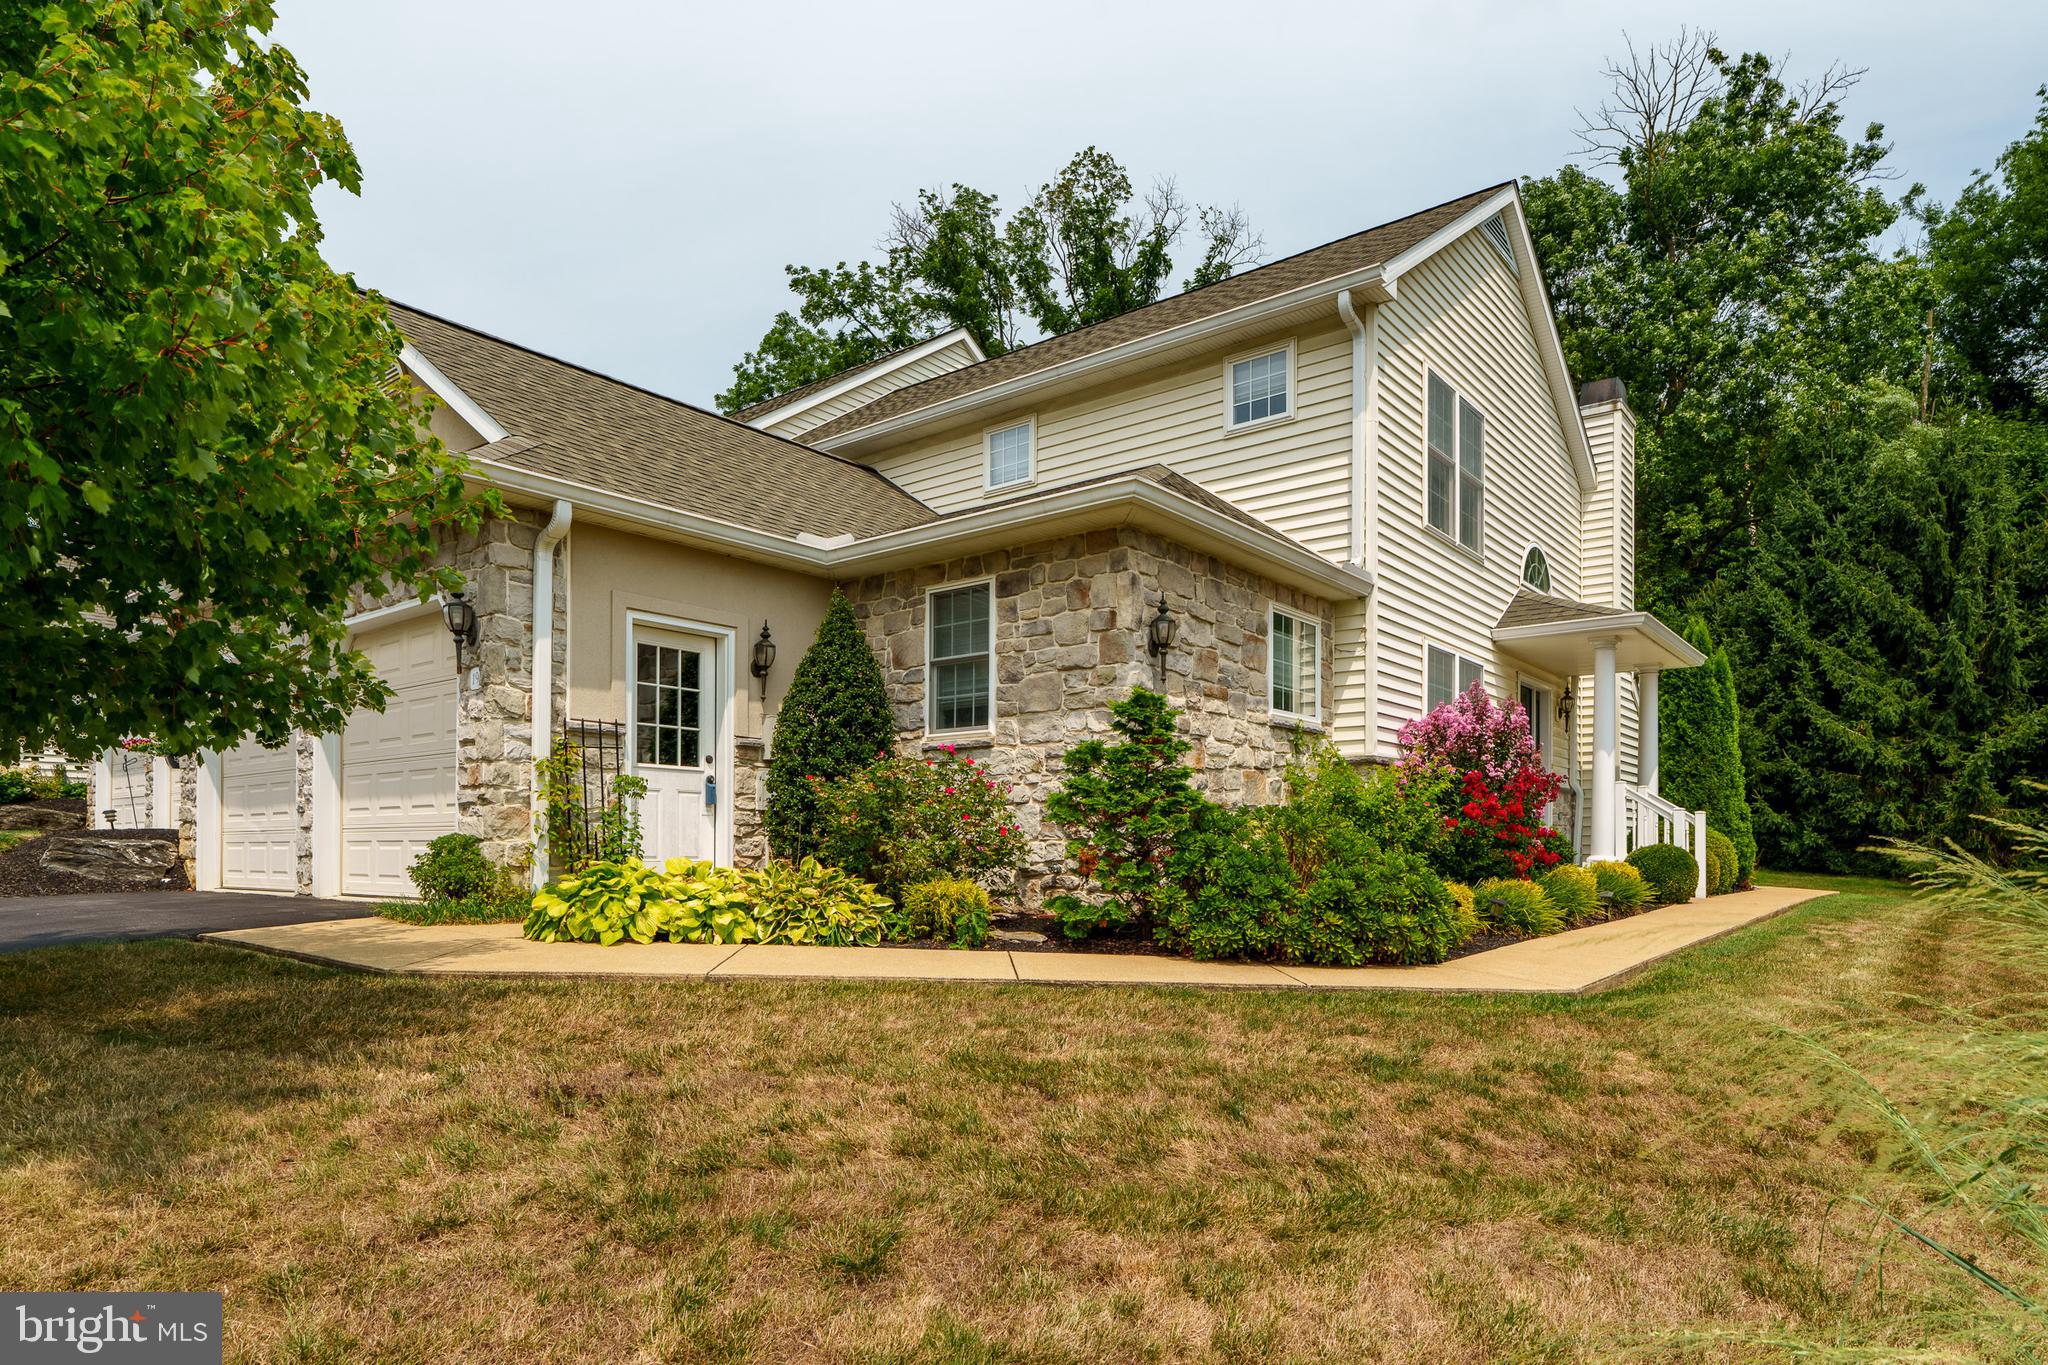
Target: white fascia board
point(868, 375)
point(1536, 300)
point(446, 389)
point(1682, 653)
point(835, 558)
point(1366, 282)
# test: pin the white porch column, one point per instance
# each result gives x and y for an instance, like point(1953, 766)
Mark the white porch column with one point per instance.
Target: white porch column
point(1606, 752)
point(1646, 707)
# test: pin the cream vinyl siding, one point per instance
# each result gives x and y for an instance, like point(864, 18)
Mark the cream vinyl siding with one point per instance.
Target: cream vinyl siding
point(1293, 474)
point(1461, 315)
point(916, 372)
point(1608, 544)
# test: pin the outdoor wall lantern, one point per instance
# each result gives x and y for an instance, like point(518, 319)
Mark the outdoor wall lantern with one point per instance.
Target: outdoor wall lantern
point(1564, 705)
point(461, 618)
point(1160, 632)
point(764, 659)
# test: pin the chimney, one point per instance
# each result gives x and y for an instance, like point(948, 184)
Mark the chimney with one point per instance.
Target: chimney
point(1607, 537)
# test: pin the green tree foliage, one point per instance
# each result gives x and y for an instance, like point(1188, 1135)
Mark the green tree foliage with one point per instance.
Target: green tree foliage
point(1888, 634)
point(833, 722)
point(1990, 259)
point(1084, 249)
point(1700, 746)
point(201, 452)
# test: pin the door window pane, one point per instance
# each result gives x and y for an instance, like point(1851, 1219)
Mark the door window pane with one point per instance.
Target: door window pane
point(668, 705)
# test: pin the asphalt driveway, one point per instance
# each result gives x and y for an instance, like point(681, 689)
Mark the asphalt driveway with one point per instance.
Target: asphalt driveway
point(45, 921)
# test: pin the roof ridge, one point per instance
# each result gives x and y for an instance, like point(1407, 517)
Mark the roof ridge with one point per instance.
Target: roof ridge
point(636, 388)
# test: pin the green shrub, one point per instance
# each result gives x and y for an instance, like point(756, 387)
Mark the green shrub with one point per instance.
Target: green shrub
point(1373, 905)
point(1236, 885)
point(1394, 807)
point(14, 786)
point(1724, 864)
point(834, 721)
point(1622, 884)
point(1466, 913)
point(697, 902)
point(1574, 891)
point(37, 784)
point(454, 868)
point(909, 818)
point(1126, 807)
point(1671, 872)
point(944, 908)
point(1514, 906)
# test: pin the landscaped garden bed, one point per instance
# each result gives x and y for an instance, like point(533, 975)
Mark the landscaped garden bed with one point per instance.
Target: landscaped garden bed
point(79, 862)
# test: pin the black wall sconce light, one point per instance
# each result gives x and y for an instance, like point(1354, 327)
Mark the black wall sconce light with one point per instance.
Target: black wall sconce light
point(1160, 632)
point(764, 659)
point(1564, 706)
point(462, 624)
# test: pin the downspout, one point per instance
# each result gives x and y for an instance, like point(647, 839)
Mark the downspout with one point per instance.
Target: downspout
point(1364, 519)
point(544, 672)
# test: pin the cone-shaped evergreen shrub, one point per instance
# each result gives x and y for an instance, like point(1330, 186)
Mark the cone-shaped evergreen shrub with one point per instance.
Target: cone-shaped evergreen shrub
point(1700, 749)
point(834, 721)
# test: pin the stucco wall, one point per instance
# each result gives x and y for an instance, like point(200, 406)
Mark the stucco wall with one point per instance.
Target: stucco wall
point(1070, 639)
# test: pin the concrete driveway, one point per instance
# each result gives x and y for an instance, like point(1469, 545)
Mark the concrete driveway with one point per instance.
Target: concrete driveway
point(45, 921)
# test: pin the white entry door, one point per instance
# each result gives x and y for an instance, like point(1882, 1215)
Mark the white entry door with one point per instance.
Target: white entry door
point(398, 764)
point(673, 708)
point(259, 818)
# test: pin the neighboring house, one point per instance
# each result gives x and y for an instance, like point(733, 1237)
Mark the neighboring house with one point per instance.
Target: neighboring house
point(1356, 479)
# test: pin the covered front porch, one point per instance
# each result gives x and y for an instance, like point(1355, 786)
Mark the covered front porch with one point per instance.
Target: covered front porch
point(1574, 641)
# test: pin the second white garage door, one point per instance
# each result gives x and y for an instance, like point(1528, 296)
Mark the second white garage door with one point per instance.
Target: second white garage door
point(259, 818)
point(398, 765)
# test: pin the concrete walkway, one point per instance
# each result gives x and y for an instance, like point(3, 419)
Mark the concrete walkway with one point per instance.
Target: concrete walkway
point(1577, 962)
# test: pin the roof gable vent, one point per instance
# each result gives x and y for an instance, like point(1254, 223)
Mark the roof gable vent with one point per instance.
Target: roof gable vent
point(1495, 231)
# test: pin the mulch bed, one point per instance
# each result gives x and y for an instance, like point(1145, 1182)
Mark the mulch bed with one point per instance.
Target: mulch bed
point(22, 872)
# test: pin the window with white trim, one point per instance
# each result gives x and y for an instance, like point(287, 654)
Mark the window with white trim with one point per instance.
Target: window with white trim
point(1446, 675)
point(1009, 455)
point(1294, 666)
point(1258, 388)
point(960, 654)
point(1536, 701)
point(1536, 570)
point(1457, 464)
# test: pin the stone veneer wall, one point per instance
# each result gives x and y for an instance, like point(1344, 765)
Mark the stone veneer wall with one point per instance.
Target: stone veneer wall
point(494, 719)
point(1070, 620)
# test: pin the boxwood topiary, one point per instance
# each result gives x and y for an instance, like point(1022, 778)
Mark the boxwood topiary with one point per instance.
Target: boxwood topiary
point(1574, 891)
point(1672, 873)
point(1623, 886)
point(1514, 906)
point(1723, 863)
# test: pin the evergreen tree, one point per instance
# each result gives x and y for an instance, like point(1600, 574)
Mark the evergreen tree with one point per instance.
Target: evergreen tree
point(834, 721)
point(1700, 747)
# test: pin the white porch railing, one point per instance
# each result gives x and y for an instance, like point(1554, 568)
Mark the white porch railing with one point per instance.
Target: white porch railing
point(1647, 818)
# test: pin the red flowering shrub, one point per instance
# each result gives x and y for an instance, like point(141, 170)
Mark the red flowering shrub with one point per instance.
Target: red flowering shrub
point(1493, 813)
point(909, 818)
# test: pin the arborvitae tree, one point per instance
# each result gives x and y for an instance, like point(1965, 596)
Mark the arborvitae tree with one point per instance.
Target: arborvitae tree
point(1699, 739)
point(834, 721)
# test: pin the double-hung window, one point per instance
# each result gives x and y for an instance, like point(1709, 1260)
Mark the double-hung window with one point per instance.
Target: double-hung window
point(1457, 464)
point(960, 649)
point(1295, 666)
point(1009, 455)
point(1256, 389)
point(1447, 674)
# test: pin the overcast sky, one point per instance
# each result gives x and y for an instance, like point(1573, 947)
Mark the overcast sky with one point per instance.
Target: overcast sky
point(621, 183)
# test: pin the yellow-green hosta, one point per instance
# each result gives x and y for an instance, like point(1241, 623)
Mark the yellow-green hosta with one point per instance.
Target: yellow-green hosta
point(686, 901)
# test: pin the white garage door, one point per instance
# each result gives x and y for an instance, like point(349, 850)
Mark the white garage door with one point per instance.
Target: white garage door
point(398, 765)
point(259, 823)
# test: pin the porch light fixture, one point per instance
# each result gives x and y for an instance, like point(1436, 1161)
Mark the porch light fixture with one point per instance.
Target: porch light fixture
point(461, 618)
point(764, 659)
point(1564, 705)
point(1160, 632)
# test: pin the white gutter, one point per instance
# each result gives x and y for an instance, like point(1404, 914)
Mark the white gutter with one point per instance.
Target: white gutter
point(838, 558)
point(544, 671)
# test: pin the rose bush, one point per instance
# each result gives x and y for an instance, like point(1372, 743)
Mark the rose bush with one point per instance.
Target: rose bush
point(910, 818)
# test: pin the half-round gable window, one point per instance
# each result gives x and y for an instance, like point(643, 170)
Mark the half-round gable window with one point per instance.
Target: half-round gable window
point(1536, 570)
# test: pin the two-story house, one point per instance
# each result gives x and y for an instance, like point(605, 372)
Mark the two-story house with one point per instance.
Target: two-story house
point(1351, 482)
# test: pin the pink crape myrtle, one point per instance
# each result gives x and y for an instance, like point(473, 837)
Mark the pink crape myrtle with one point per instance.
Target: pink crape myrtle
point(1470, 733)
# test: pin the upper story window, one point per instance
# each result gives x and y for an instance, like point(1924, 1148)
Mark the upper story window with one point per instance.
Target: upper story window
point(1256, 388)
point(1457, 464)
point(1295, 666)
point(1536, 570)
point(960, 654)
point(1446, 675)
point(1010, 454)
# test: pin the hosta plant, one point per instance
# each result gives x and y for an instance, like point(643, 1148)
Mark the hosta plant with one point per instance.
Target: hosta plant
point(699, 902)
point(808, 902)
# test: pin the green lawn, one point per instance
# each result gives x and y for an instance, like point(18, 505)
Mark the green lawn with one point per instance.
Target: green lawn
point(397, 1169)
